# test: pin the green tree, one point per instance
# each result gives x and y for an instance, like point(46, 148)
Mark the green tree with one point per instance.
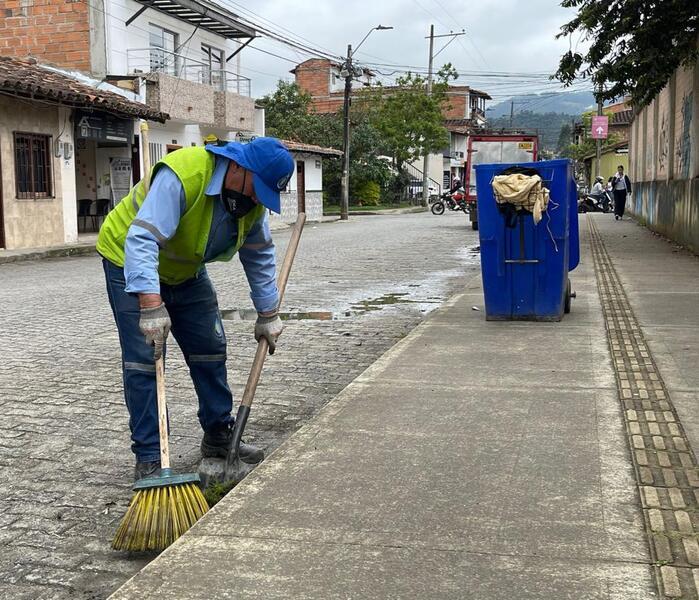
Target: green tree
point(409, 121)
point(366, 164)
point(636, 45)
point(564, 137)
point(287, 114)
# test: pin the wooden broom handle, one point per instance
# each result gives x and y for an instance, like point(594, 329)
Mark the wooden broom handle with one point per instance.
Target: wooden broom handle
point(263, 345)
point(145, 157)
point(162, 414)
point(159, 364)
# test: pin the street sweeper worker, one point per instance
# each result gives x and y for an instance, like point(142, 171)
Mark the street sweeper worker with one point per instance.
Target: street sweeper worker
point(203, 204)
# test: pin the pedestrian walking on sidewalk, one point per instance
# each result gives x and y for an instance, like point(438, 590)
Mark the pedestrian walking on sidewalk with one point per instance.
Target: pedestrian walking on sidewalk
point(621, 186)
point(204, 204)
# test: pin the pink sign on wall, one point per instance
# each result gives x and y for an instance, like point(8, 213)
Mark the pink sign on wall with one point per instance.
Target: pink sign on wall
point(600, 126)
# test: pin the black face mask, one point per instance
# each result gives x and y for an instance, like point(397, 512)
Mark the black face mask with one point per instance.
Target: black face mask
point(237, 203)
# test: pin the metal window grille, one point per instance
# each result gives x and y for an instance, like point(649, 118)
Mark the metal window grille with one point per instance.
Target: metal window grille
point(156, 152)
point(33, 168)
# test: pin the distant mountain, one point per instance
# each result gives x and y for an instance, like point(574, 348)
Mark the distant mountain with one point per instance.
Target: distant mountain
point(547, 125)
point(567, 103)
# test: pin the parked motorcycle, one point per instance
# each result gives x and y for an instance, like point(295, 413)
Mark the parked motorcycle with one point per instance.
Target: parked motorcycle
point(451, 200)
point(598, 203)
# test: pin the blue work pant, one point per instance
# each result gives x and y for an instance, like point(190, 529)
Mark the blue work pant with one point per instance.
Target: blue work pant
point(197, 327)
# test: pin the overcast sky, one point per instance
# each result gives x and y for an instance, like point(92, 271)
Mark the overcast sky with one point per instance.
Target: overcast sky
point(515, 36)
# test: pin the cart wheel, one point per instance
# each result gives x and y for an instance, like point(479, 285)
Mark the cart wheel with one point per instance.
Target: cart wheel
point(566, 303)
point(474, 225)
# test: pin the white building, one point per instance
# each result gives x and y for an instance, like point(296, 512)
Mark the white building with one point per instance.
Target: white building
point(179, 57)
point(183, 58)
point(304, 192)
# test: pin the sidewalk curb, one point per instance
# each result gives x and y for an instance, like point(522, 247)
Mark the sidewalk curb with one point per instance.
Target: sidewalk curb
point(388, 211)
point(32, 254)
point(55, 252)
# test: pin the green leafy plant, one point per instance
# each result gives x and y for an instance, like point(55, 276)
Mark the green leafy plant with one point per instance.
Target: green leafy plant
point(368, 193)
point(636, 45)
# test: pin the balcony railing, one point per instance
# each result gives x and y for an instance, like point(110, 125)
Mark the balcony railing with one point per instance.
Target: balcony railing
point(158, 60)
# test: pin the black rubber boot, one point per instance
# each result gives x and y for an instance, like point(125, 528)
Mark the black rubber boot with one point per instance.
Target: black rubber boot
point(216, 445)
point(145, 469)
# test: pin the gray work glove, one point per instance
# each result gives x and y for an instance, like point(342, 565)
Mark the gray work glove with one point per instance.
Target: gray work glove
point(155, 325)
point(269, 327)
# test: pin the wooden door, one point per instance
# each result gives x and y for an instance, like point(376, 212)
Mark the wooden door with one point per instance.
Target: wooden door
point(301, 186)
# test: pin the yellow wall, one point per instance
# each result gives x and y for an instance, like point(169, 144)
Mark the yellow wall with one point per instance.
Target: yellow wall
point(608, 165)
point(29, 223)
point(610, 161)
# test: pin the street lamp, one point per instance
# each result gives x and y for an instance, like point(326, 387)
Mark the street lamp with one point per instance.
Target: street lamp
point(348, 70)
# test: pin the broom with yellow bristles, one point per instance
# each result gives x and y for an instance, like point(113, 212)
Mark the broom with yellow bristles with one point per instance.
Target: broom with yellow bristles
point(165, 506)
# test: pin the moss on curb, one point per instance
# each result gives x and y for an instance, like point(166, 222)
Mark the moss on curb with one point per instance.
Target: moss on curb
point(217, 490)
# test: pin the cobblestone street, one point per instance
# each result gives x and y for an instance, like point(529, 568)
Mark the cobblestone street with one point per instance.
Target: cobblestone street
point(64, 448)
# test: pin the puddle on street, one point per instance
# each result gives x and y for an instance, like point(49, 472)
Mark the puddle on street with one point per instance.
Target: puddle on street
point(356, 309)
point(250, 314)
point(386, 300)
point(415, 296)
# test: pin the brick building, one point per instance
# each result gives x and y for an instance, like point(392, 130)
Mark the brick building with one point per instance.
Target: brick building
point(321, 79)
point(56, 32)
point(465, 112)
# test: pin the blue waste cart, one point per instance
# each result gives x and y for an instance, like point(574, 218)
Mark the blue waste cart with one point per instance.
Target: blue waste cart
point(525, 268)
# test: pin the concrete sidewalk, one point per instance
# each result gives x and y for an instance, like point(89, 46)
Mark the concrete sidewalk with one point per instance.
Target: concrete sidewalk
point(484, 460)
point(84, 246)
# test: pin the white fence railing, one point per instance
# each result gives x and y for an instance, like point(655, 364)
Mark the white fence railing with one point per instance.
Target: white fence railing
point(158, 60)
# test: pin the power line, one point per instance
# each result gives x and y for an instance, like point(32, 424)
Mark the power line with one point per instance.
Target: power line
point(308, 49)
point(276, 25)
point(444, 8)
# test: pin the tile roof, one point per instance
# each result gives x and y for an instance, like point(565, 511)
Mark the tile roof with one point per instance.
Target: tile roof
point(311, 148)
point(464, 126)
point(607, 149)
point(623, 117)
point(28, 79)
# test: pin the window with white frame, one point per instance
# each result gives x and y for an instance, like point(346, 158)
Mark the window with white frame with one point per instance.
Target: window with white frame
point(214, 59)
point(163, 48)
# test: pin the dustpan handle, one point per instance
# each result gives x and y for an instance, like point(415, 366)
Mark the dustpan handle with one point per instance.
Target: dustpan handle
point(263, 345)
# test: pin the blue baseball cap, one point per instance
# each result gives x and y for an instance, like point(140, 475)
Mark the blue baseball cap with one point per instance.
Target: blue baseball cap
point(268, 160)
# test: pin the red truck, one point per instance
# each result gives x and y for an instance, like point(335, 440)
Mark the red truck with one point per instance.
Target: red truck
point(494, 148)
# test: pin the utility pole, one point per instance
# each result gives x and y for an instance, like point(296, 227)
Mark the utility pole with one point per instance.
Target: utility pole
point(512, 111)
point(348, 68)
point(426, 158)
point(598, 141)
point(344, 203)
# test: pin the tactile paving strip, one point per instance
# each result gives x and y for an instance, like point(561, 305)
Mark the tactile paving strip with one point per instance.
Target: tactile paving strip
point(665, 466)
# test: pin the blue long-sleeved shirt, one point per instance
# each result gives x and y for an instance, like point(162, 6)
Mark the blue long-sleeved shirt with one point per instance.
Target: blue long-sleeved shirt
point(157, 221)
